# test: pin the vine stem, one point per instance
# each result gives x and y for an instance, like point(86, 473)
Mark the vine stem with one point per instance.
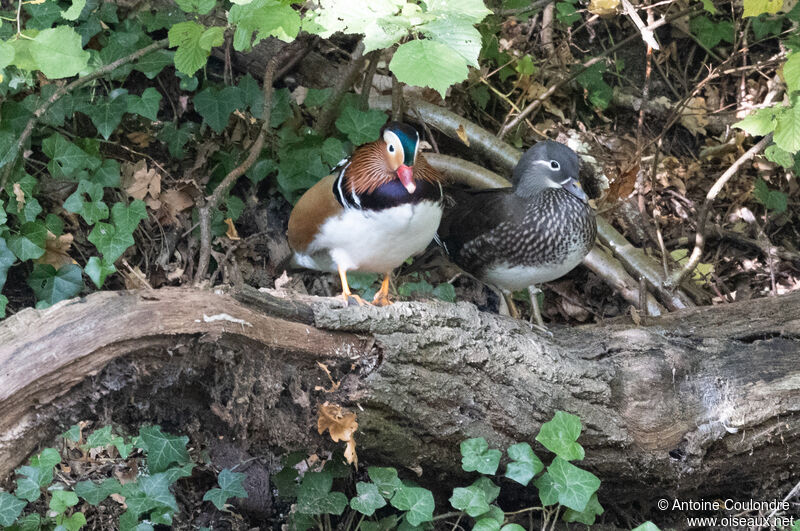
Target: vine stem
point(43, 108)
point(212, 201)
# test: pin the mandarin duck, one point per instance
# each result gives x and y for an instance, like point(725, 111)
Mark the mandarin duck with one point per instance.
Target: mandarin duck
point(536, 231)
point(378, 208)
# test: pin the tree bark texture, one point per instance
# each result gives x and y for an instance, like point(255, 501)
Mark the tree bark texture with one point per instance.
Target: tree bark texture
point(702, 402)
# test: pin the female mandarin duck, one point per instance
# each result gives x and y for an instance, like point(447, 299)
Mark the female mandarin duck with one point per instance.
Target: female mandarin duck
point(382, 206)
point(534, 232)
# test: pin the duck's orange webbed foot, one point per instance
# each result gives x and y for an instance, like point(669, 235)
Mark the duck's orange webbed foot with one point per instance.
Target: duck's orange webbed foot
point(382, 297)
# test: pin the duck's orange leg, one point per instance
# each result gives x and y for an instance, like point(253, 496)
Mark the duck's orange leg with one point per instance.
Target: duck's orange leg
point(382, 297)
point(346, 289)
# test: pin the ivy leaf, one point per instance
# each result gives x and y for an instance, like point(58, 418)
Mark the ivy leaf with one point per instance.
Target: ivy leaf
point(109, 241)
point(73, 522)
point(92, 210)
point(647, 526)
point(97, 269)
point(471, 500)
point(28, 489)
point(774, 200)
point(145, 105)
point(216, 106)
point(548, 494)
point(51, 286)
point(753, 8)
point(711, 33)
point(162, 449)
point(368, 499)
point(127, 217)
point(574, 485)
point(476, 456)
point(265, 18)
point(61, 500)
point(427, 63)
point(107, 175)
point(360, 126)
point(230, 486)
point(58, 53)
point(10, 508)
point(153, 63)
point(486, 524)
point(315, 496)
point(524, 463)
point(29, 244)
point(385, 479)
point(588, 515)
point(7, 259)
point(67, 159)
point(74, 10)
point(317, 97)
point(559, 436)
point(417, 501)
point(252, 95)
point(107, 114)
point(488, 487)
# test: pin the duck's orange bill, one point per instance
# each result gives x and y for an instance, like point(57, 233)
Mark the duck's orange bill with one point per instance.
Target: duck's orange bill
point(406, 176)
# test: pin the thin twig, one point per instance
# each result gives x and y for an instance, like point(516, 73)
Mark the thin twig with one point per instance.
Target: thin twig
point(331, 108)
point(54, 97)
point(699, 241)
point(204, 210)
point(374, 58)
point(397, 100)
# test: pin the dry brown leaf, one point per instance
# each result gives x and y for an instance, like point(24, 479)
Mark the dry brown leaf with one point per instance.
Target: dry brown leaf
point(56, 251)
point(340, 423)
point(20, 195)
point(139, 182)
point(140, 138)
point(694, 116)
point(350, 453)
point(135, 279)
point(462, 134)
point(120, 499)
point(231, 232)
point(172, 202)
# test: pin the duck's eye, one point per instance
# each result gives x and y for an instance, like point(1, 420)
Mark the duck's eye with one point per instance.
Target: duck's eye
point(555, 165)
point(391, 148)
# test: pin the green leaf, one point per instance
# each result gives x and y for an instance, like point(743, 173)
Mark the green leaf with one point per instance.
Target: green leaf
point(162, 449)
point(333, 151)
point(190, 55)
point(146, 105)
point(92, 210)
point(62, 499)
point(489, 488)
point(51, 286)
point(6, 54)
point(486, 524)
point(317, 97)
point(74, 10)
point(176, 137)
point(779, 156)
point(647, 526)
point(588, 515)
point(28, 489)
point(417, 501)
point(230, 484)
point(127, 218)
point(7, 259)
point(758, 123)
point(368, 499)
point(512, 527)
point(524, 463)
point(216, 106)
point(787, 128)
point(774, 200)
point(566, 13)
point(3, 303)
point(600, 92)
point(427, 63)
point(445, 291)
point(202, 7)
point(71, 523)
point(476, 456)
point(97, 269)
point(315, 496)
point(559, 436)
point(471, 500)
point(708, 6)
point(791, 72)
point(360, 126)
point(58, 53)
point(547, 489)
point(67, 159)
point(30, 522)
point(574, 485)
point(213, 36)
point(765, 26)
point(107, 114)
point(265, 18)
point(153, 63)
point(525, 66)
point(148, 493)
point(10, 508)
point(94, 493)
point(29, 243)
point(710, 33)
point(385, 479)
point(458, 33)
point(753, 8)
point(73, 433)
point(109, 241)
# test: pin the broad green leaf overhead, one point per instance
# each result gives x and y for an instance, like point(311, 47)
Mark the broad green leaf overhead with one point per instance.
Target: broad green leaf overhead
point(457, 32)
point(787, 128)
point(791, 72)
point(264, 18)
point(58, 52)
point(758, 123)
point(753, 8)
point(427, 63)
point(194, 44)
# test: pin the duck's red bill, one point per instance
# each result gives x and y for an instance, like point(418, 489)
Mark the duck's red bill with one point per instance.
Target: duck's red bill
point(406, 176)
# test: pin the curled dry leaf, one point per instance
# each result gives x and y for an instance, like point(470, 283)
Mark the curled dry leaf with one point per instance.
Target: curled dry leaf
point(341, 424)
point(694, 116)
point(231, 233)
point(56, 251)
point(141, 183)
point(140, 138)
point(172, 202)
point(604, 7)
point(462, 134)
point(19, 195)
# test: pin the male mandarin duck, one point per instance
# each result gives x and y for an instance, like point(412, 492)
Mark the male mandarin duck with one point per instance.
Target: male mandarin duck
point(382, 206)
point(534, 232)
